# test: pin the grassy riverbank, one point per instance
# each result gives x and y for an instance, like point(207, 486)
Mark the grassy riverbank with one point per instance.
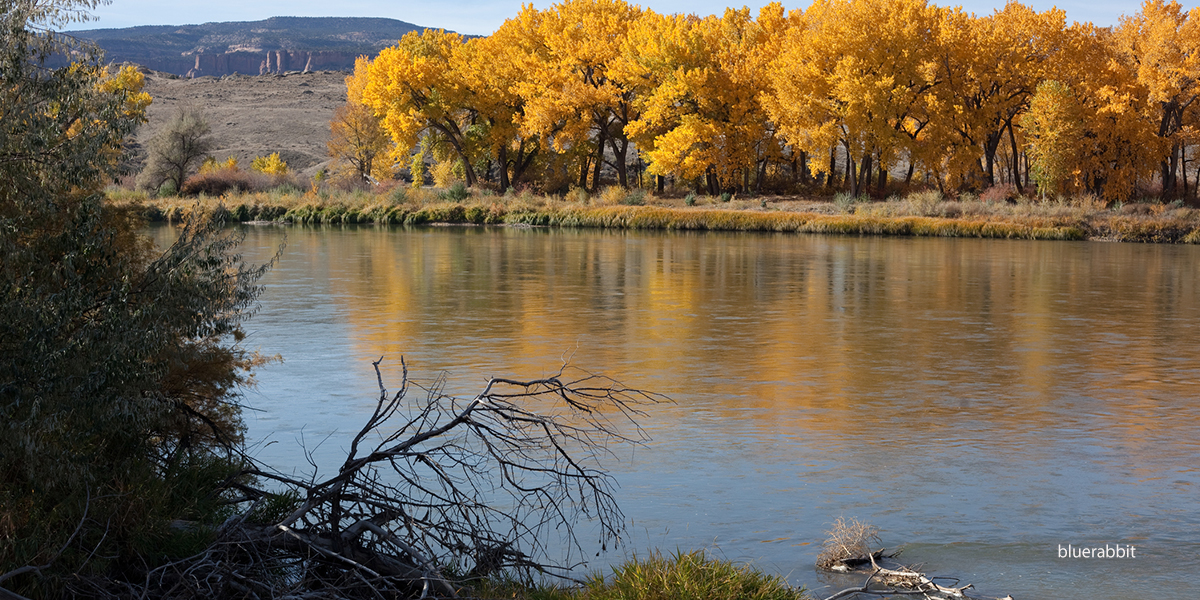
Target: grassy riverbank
point(919, 214)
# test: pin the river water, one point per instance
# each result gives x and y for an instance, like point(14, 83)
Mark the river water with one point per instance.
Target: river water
point(982, 402)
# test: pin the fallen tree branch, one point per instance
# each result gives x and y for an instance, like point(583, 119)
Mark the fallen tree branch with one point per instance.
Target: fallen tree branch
point(432, 492)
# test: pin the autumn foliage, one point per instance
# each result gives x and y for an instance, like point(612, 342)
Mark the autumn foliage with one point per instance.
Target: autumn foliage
point(862, 96)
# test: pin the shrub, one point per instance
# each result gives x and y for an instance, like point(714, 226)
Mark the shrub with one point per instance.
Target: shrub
point(457, 192)
point(726, 197)
point(222, 181)
point(635, 198)
point(211, 164)
point(1001, 192)
point(844, 202)
point(847, 540)
point(578, 195)
point(689, 199)
point(271, 164)
point(925, 202)
point(443, 174)
point(167, 189)
point(612, 195)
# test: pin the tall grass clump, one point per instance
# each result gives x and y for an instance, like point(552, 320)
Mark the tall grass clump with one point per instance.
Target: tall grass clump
point(844, 202)
point(924, 203)
point(687, 576)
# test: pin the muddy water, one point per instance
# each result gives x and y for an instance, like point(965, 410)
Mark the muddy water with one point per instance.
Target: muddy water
point(982, 402)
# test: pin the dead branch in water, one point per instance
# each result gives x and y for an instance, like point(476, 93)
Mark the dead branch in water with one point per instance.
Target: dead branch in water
point(848, 547)
point(431, 492)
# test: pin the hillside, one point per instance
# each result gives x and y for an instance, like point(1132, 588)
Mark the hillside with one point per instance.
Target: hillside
point(254, 116)
point(275, 45)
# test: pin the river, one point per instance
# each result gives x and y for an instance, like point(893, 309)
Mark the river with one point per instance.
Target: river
point(983, 402)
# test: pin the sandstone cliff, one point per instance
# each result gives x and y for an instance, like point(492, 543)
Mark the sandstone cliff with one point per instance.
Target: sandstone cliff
point(275, 45)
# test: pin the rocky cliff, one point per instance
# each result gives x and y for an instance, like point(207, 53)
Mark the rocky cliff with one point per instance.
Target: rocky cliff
point(276, 45)
point(262, 63)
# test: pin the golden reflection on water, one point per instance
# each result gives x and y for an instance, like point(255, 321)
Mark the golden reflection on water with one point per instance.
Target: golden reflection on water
point(808, 334)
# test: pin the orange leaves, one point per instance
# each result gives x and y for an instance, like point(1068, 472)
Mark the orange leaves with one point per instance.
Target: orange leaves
point(572, 87)
point(855, 75)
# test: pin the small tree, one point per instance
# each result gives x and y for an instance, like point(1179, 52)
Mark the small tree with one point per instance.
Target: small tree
point(270, 165)
point(1053, 129)
point(179, 146)
point(357, 139)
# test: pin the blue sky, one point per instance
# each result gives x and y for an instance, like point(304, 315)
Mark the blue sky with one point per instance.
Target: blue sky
point(479, 17)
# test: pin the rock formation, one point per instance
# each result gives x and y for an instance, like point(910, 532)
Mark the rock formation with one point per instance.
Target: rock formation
point(274, 61)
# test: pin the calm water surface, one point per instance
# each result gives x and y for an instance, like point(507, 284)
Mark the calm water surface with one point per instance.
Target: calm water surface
point(982, 402)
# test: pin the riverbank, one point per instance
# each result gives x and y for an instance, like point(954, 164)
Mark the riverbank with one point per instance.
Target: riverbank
point(919, 214)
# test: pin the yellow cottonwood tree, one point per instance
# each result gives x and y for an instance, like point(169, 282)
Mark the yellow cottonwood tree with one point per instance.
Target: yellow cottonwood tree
point(417, 89)
point(1120, 147)
point(1162, 43)
point(698, 86)
point(495, 68)
point(571, 101)
point(993, 66)
point(856, 75)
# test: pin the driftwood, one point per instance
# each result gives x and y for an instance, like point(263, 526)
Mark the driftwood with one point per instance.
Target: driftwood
point(905, 581)
point(432, 493)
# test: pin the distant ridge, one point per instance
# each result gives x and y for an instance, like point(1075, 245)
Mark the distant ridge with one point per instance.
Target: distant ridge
point(274, 45)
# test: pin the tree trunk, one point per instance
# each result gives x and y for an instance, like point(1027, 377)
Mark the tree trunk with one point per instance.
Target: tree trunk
point(989, 157)
point(803, 167)
point(502, 158)
point(659, 183)
point(1016, 163)
point(883, 180)
point(864, 174)
point(620, 149)
point(831, 176)
point(851, 174)
point(599, 160)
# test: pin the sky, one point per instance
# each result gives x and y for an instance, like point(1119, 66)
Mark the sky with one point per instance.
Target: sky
point(482, 17)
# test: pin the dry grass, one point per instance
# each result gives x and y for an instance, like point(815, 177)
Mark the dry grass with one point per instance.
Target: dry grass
point(919, 214)
point(847, 540)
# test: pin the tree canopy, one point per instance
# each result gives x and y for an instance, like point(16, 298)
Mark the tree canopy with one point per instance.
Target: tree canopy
point(586, 89)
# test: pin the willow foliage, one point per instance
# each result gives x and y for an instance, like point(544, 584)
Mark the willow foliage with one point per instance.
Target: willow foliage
point(118, 366)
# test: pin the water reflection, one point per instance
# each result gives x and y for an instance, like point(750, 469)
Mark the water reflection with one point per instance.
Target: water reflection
point(982, 401)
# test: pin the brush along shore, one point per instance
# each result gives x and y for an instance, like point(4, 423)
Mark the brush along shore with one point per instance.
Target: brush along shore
point(919, 214)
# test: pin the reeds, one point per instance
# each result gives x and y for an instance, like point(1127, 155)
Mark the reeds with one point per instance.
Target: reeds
point(921, 214)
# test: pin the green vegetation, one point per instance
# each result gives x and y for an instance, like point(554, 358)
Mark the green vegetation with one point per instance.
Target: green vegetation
point(119, 367)
point(922, 213)
point(682, 576)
